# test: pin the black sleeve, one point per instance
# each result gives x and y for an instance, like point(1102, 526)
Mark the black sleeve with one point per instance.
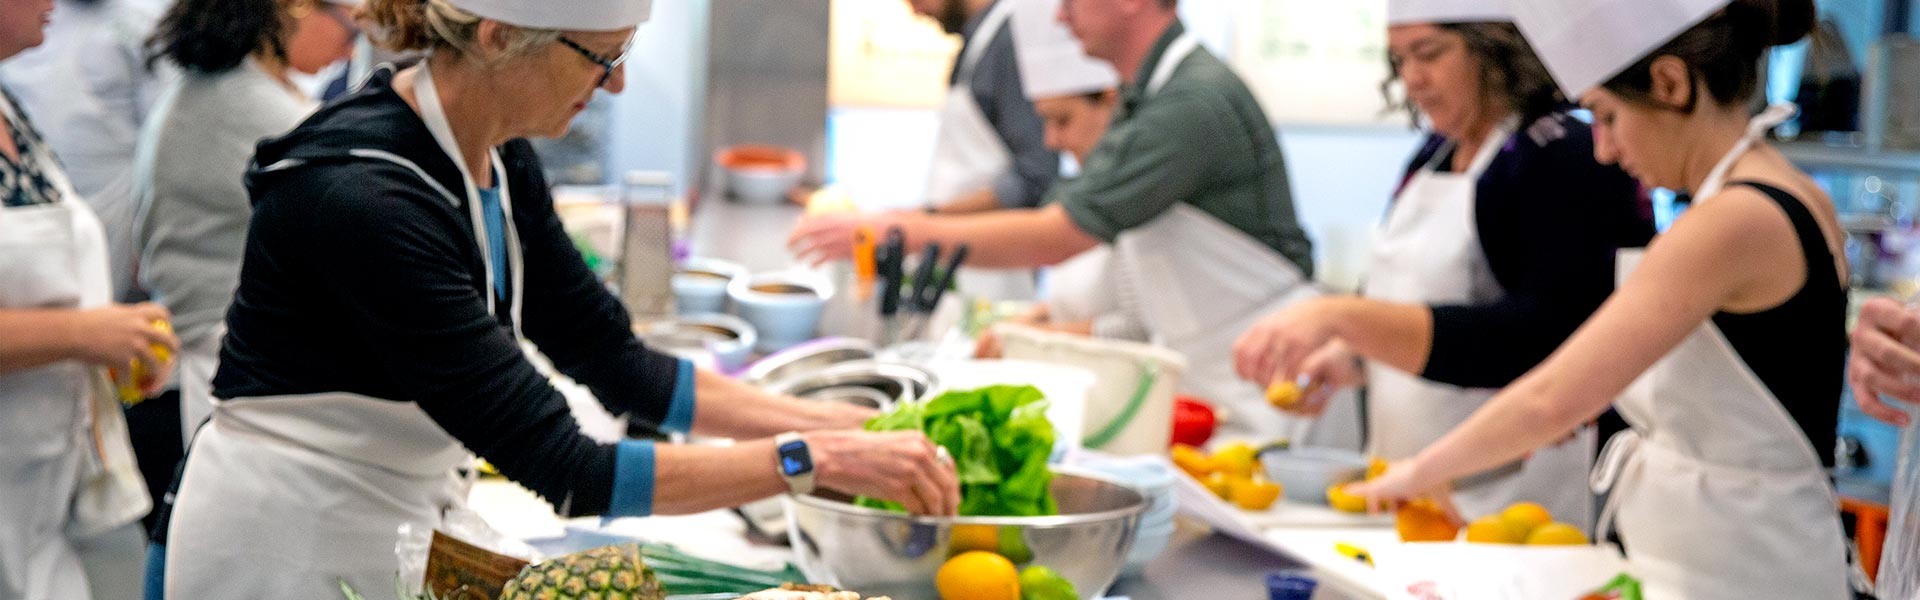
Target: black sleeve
point(1003, 100)
point(570, 316)
point(396, 268)
point(1549, 220)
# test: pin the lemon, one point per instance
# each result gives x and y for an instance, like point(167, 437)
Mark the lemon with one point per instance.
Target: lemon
point(1284, 394)
point(1340, 500)
point(978, 575)
point(1492, 529)
point(1556, 534)
point(1524, 517)
point(1376, 468)
point(1253, 494)
point(967, 538)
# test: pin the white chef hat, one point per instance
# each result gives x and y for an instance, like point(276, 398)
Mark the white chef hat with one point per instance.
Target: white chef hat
point(1584, 43)
point(568, 15)
point(1052, 62)
point(1405, 12)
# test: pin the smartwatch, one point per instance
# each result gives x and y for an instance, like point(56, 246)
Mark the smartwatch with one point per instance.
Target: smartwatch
point(796, 463)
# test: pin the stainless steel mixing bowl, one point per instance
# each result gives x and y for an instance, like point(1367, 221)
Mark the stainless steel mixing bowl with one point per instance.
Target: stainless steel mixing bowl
point(876, 552)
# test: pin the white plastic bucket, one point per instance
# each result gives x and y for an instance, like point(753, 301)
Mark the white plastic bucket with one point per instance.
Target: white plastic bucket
point(1066, 387)
point(1133, 420)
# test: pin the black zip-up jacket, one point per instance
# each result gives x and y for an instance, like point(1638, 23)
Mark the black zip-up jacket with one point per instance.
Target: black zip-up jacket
point(361, 277)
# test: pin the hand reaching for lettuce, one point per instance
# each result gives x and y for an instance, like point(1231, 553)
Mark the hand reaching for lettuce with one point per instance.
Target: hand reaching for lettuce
point(1000, 440)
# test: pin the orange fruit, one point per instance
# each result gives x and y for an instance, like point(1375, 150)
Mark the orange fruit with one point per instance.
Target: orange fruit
point(1492, 529)
point(1423, 521)
point(1556, 534)
point(1284, 394)
point(1524, 517)
point(978, 575)
point(1340, 500)
point(1191, 460)
point(967, 538)
point(1253, 494)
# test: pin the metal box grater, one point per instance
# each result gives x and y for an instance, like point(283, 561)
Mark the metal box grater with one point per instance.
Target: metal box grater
point(646, 252)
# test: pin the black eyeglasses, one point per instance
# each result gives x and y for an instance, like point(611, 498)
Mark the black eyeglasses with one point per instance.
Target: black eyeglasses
point(607, 65)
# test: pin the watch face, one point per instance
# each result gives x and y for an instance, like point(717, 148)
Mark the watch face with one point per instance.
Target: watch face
point(794, 459)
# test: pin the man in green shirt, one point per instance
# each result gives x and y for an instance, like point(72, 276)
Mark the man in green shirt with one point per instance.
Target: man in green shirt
point(1201, 140)
point(1188, 187)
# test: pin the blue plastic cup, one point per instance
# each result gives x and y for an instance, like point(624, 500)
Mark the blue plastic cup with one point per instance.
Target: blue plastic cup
point(1290, 585)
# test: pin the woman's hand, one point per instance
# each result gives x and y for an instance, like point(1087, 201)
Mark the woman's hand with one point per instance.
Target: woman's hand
point(828, 237)
point(1276, 349)
point(901, 466)
point(1401, 483)
point(1330, 370)
point(1883, 361)
point(119, 335)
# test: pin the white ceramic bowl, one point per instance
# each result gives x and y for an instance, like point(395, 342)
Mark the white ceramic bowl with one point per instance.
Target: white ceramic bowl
point(784, 307)
point(1307, 472)
point(700, 285)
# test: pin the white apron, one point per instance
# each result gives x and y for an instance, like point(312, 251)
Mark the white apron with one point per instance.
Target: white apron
point(1201, 283)
point(309, 490)
point(1428, 252)
point(1717, 492)
point(66, 468)
point(968, 155)
point(1083, 287)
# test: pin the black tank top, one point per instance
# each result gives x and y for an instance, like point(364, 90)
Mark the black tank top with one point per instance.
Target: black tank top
point(1799, 348)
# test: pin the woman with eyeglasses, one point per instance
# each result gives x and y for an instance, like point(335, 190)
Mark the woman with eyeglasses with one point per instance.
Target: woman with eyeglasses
point(403, 246)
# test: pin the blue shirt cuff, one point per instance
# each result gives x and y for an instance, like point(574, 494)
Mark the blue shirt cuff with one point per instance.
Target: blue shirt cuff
point(680, 412)
point(632, 479)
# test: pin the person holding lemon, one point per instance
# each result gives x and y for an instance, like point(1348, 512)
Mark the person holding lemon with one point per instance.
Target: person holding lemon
point(70, 497)
point(1725, 347)
point(1498, 244)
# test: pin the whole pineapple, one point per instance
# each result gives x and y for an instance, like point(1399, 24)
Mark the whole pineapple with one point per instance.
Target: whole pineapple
point(609, 573)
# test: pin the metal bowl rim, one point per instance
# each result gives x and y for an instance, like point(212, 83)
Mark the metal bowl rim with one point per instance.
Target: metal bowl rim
point(760, 371)
point(1138, 507)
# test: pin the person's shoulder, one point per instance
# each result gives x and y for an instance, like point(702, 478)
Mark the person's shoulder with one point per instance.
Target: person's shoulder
point(1559, 134)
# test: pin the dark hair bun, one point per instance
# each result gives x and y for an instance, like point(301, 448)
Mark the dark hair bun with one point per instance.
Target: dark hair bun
point(1773, 22)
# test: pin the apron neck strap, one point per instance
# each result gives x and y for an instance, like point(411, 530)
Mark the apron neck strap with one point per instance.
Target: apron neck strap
point(1176, 52)
point(990, 25)
point(1489, 147)
point(434, 114)
point(1756, 129)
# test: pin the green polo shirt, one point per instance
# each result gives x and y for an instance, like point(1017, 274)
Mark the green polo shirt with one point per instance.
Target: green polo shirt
point(1201, 139)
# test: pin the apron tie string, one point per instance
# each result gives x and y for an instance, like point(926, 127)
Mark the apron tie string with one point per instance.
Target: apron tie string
point(1606, 472)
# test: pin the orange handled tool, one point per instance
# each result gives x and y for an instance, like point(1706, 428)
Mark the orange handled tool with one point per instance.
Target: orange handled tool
point(863, 262)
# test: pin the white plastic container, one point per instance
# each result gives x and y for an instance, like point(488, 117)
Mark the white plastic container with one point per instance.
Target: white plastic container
point(1066, 388)
point(1119, 369)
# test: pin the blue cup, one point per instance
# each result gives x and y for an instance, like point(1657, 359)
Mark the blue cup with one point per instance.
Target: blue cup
point(1290, 585)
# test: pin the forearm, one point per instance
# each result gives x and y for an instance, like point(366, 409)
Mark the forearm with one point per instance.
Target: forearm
point(690, 479)
point(977, 202)
point(727, 407)
point(1005, 239)
point(1536, 411)
point(32, 338)
point(1399, 335)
